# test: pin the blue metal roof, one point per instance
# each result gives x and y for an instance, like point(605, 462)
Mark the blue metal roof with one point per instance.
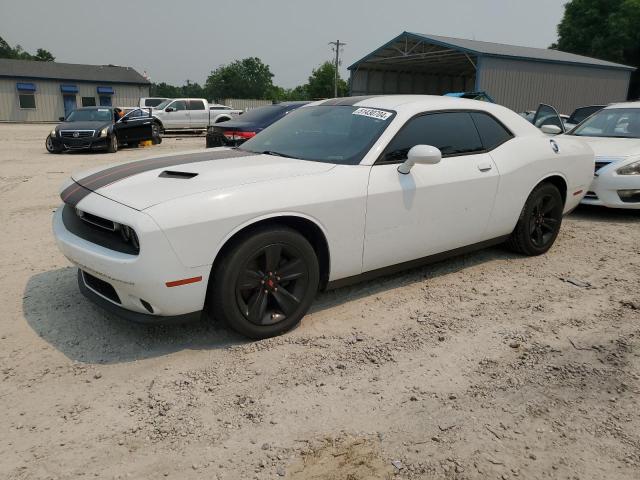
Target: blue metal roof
point(489, 49)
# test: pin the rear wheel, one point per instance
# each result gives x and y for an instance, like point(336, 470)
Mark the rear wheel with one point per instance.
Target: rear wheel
point(539, 222)
point(112, 146)
point(265, 283)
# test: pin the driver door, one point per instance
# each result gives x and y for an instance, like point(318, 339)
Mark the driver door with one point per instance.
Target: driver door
point(547, 115)
point(135, 126)
point(434, 208)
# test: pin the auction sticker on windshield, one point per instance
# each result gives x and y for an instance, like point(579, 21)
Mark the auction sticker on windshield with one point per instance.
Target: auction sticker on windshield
point(373, 113)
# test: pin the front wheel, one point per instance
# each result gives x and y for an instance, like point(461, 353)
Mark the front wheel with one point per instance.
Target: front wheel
point(156, 137)
point(539, 222)
point(112, 146)
point(265, 283)
point(48, 143)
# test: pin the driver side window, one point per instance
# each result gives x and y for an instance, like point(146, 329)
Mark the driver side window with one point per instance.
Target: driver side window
point(179, 105)
point(454, 133)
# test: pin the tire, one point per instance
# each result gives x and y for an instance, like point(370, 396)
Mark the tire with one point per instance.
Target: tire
point(48, 143)
point(112, 147)
point(280, 283)
point(156, 137)
point(539, 222)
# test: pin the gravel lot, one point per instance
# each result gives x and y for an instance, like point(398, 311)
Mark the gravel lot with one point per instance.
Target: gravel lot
point(490, 365)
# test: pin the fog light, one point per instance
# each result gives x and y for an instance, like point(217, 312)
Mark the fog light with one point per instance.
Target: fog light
point(629, 196)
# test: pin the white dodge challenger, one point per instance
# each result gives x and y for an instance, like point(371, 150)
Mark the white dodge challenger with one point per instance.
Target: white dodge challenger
point(339, 190)
point(614, 135)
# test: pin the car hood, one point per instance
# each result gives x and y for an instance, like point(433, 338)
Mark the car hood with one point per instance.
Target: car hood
point(149, 182)
point(82, 125)
point(613, 148)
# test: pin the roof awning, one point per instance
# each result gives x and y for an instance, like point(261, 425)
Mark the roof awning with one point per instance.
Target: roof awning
point(69, 88)
point(106, 90)
point(26, 87)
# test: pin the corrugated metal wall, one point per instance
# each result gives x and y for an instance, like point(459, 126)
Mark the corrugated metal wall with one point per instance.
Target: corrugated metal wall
point(245, 104)
point(389, 82)
point(49, 102)
point(522, 85)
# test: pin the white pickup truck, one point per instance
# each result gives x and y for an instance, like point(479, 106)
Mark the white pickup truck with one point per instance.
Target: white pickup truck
point(191, 114)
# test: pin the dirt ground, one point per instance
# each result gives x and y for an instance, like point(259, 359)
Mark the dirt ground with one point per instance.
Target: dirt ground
point(487, 366)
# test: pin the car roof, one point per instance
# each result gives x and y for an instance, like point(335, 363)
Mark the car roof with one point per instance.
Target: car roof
point(96, 107)
point(635, 104)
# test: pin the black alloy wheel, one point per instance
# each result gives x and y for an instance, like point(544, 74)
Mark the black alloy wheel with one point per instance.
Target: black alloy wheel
point(543, 223)
point(265, 282)
point(539, 222)
point(272, 284)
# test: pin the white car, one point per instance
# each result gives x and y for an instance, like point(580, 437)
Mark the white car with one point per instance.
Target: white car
point(614, 135)
point(337, 191)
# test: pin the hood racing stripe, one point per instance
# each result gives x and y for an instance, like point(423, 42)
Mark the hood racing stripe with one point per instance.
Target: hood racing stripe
point(83, 187)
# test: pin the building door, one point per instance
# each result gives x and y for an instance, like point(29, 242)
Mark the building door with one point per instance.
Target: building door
point(69, 104)
point(105, 100)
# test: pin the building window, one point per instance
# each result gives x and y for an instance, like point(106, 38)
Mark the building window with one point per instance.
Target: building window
point(27, 100)
point(88, 101)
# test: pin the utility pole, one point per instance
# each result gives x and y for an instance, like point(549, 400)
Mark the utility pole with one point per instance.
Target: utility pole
point(336, 47)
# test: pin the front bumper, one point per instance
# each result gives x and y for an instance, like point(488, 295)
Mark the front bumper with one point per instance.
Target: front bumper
point(606, 188)
point(138, 283)
point(92, 143)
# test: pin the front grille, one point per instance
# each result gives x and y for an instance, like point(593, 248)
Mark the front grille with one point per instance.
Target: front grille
point(97, 221)
point(80, 133)
point(101, 287)
point(99, 234)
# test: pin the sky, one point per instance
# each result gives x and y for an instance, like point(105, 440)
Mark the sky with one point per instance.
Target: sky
point(178, 40)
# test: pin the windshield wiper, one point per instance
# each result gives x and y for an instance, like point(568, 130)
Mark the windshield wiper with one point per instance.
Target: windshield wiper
point(277, 154)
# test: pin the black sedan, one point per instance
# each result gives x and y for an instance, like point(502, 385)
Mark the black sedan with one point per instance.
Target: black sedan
point(234, 132)
point(102, 128)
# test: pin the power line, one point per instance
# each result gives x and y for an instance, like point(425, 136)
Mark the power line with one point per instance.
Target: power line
point(336, 48)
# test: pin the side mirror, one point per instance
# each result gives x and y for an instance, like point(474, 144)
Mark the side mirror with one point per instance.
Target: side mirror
point(423, 154)
point(551, 129)
point(61, 119)
point(169, 109)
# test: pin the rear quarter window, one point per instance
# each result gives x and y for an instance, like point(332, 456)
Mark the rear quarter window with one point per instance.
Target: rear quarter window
point(492, 133)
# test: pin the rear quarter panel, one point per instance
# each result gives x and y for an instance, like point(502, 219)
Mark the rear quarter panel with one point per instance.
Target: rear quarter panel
point(524, 162)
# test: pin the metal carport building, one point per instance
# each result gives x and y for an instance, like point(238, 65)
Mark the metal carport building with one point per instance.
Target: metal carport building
point(517, 77)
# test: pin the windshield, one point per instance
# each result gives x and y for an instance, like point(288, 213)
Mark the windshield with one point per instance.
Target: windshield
point(90, 115)
point(163, 105)
point(332, 134)
point(583, 112)
point(611, 122)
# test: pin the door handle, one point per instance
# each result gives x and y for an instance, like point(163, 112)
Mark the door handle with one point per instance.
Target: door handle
point(485, 166)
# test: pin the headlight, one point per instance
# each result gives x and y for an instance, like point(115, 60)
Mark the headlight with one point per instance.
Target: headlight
point(104, 131)
point(631, 169)
point(53, 132)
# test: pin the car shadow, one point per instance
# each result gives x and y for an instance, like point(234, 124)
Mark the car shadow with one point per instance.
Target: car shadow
point(594, 213)
point(56, 310)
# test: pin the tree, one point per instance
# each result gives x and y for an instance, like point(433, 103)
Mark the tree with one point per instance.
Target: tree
point(606, 29)
point(188, 90)
point(43, 55)
point(321, 82)
point(248, 78)
point(17, 52)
